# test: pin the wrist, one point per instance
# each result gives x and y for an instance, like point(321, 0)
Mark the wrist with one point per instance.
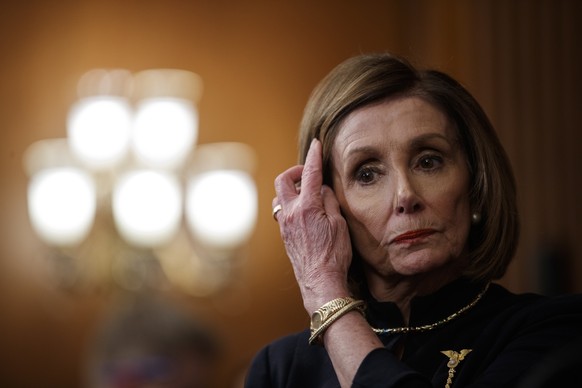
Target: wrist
point(316, 300)
point(329, 313)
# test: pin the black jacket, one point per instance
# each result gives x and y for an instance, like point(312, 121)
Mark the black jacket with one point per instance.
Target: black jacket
point(508, 336)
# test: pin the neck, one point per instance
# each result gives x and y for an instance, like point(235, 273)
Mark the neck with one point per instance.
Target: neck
point(438, 323)
point(400, 290)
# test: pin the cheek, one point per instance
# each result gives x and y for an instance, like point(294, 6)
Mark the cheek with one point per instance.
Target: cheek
point(454, 209)
point(367, 220)
point(460, 231)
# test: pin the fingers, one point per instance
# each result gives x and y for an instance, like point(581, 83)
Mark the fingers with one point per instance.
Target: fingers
point(312, 177)
point(300, 182)
point(285, 187)
point(302, 179)
point(330, 202)
point(285, 184)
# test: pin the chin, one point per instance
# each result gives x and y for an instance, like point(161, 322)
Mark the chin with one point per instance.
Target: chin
point(420, 262)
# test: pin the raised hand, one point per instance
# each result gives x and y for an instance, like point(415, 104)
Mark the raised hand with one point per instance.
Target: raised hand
point(313, 230)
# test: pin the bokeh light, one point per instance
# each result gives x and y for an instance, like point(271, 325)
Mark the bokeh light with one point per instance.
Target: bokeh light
point(99, 130)
point(221, 207)
point(61, 204)
point(147, 207)
point(164, 131)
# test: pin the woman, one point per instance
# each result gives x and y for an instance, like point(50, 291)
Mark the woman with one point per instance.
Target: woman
point(398, 219)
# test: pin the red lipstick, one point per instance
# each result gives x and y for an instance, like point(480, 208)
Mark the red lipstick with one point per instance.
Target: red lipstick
point(413, 234)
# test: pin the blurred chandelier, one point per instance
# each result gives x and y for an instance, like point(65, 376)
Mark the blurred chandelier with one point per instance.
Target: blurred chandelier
point(128, 199)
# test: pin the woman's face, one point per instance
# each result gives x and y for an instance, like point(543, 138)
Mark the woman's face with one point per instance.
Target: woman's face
point(402, 181)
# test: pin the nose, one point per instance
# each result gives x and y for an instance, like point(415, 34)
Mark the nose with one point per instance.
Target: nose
point(407, 200)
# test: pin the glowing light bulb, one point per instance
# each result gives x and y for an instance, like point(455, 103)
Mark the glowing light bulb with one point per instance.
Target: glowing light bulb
point(165, 129)
point(61, 203)
point(147, 207)
point(99, 130)
point(221, 207)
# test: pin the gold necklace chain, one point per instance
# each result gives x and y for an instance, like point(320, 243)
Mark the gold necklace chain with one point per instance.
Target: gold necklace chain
point(408, 329)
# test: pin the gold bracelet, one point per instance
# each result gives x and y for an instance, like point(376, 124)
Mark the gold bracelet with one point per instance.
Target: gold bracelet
point(327, 314)
point(323, 313)
point(328, 309)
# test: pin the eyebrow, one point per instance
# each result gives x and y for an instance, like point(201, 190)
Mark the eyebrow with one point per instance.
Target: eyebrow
point(418, 142)
point(421, 140)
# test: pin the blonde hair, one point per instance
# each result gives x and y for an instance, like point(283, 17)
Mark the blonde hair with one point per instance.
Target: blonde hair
point(370, 78)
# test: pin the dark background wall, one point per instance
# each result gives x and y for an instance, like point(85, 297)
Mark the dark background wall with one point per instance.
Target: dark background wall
point(259, 61)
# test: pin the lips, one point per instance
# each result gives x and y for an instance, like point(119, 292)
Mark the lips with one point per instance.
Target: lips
point(413, 234)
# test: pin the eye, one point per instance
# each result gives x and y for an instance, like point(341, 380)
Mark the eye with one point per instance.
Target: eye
point(366, 175)
point(430, 162)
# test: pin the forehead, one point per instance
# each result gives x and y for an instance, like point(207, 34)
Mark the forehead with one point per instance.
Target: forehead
point(395, 121)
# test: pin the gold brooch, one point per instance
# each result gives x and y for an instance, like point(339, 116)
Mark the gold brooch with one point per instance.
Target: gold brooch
point(454, 359)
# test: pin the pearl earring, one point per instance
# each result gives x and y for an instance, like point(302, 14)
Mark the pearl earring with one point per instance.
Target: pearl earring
point(476, 218)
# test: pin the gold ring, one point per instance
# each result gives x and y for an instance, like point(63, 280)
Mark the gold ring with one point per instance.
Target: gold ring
point(276, 210)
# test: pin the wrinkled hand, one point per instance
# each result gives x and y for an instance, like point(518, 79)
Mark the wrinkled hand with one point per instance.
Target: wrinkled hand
point(314, 232)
